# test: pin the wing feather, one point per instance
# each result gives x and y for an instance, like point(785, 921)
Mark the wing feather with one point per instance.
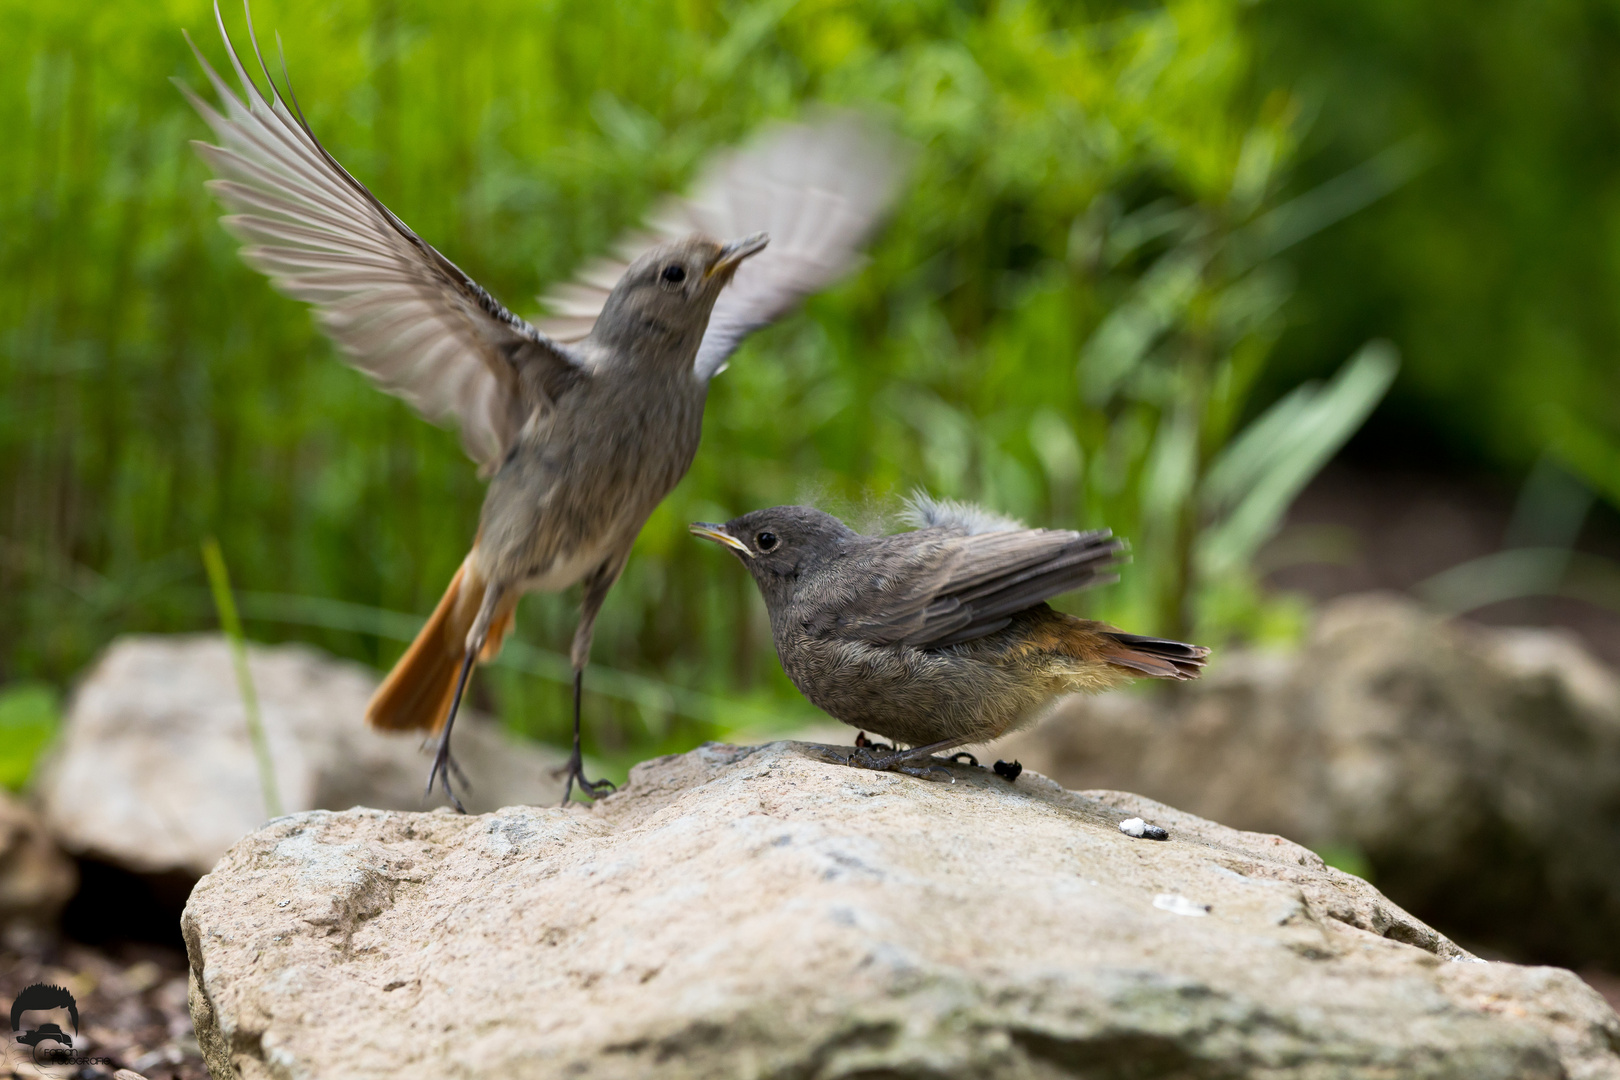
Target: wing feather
point(965, 586)
point(403, 313)
point(817, 188)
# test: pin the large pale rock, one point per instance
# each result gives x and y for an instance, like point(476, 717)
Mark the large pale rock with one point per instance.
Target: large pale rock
point(767, 912)
point(154, 771)
point(1478, 770)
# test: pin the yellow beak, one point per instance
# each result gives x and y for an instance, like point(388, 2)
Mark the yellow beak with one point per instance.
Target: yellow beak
point(735, 252)
point(719, 536)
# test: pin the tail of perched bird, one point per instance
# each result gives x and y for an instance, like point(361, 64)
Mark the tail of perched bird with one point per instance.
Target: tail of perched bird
point(1156, 658)
point(419, 690)
point(1085, 655)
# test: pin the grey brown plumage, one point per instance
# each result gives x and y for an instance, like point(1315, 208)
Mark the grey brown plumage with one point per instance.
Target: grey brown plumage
point(582, 431)
point(940, 634)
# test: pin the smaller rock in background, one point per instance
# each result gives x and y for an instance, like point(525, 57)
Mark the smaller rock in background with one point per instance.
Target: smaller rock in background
point(36, 879)
point(1477, 769)
point(153, 770)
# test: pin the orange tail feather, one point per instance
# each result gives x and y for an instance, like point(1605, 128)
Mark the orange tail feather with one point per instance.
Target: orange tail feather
point(1156, 658)
point(417, 693)
point(498, 629)
point(1109, 657)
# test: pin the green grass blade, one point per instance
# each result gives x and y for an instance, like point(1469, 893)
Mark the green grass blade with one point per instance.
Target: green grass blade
point(220, 583)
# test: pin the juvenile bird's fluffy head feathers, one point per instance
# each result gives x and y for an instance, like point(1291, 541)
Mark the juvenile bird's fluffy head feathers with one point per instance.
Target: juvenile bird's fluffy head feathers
point(925, 512)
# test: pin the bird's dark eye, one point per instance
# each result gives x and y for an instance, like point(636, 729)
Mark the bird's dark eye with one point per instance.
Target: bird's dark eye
point(673, 274)
point(765, 541)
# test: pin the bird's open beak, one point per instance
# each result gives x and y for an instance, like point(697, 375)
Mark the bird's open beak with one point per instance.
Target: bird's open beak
point(718, 534)
point(732, 254)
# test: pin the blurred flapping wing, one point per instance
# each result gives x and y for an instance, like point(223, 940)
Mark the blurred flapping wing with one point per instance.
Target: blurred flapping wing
point(964, 587)
point(404, 314)
point(817, 188)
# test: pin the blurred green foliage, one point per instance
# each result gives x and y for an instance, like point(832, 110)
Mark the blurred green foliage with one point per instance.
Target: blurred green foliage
point(29, 714)
point(1072, 316)
point(1495, 269)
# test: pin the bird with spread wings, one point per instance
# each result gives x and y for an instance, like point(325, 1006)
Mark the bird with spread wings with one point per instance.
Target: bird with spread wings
point(423, 330)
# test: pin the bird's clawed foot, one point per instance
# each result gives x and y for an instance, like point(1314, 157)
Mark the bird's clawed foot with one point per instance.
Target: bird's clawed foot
point(444, 764)
point(909, 762)
point(575, 771)
point(919, 760)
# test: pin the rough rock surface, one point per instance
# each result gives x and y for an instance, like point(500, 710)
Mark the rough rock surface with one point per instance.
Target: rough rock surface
point(1477, 769)
point(36, 879)
point(154, 771)
point(769, 912)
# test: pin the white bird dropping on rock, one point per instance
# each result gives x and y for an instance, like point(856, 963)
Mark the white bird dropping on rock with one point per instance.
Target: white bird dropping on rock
point(1142, 830)
point(1177, 904)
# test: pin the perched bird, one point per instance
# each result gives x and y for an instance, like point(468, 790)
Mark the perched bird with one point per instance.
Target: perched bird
point(583, 430)
point(938, 637)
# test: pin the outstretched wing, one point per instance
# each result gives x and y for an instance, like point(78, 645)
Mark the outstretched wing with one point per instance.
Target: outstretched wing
point(404, 314)
point(817, 188)
point(966, 586)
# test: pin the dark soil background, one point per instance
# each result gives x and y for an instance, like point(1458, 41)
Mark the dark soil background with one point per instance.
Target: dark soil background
point(1361, 527)
point(131, 999)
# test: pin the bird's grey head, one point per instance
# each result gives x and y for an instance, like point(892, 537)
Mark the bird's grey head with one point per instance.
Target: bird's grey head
point(661, 306)
point(781, 546)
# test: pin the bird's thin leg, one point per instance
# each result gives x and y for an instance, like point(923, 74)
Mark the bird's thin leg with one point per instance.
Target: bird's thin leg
point(443, 763)
point(575, 769)
point(596, 590)
point(441, 757)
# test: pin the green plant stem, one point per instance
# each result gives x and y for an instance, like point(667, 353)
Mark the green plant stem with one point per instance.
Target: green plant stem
point(219, 581)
